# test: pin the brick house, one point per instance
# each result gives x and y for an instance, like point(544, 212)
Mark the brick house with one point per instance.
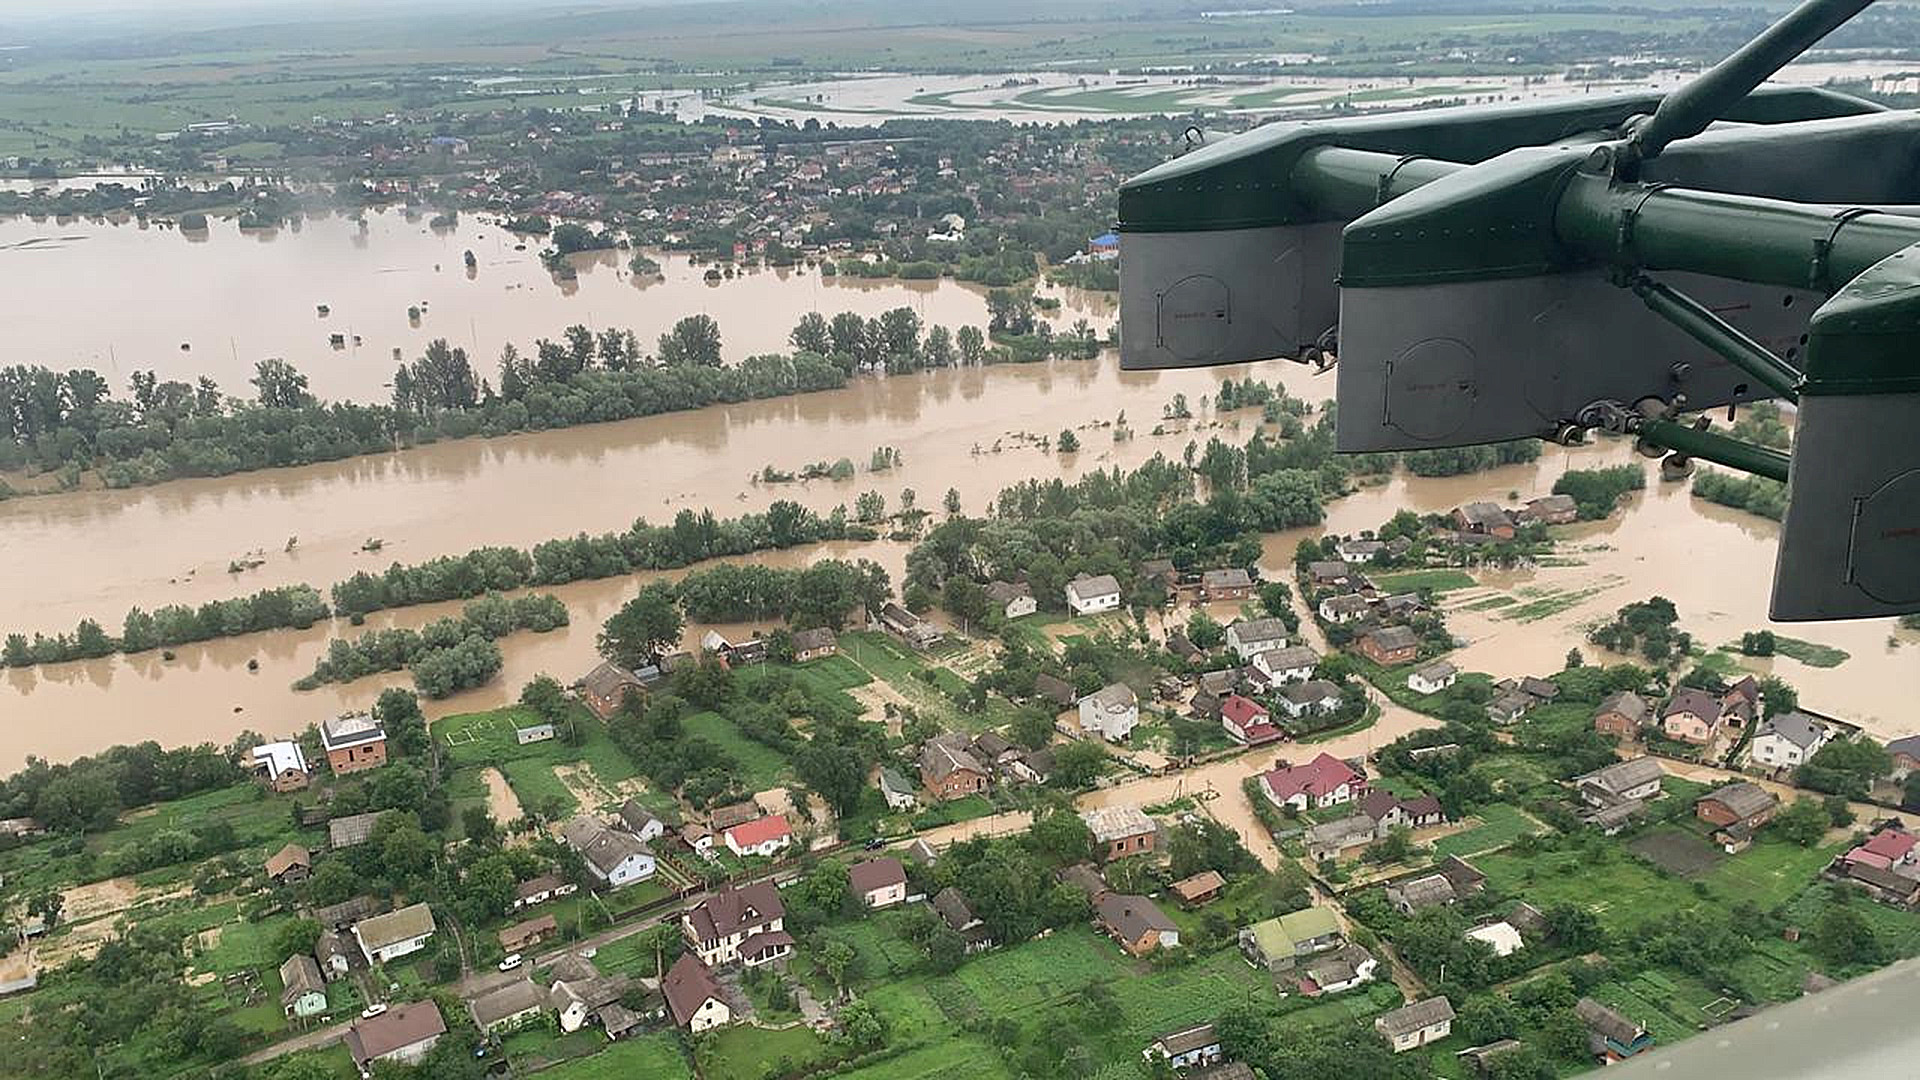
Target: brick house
point(354, 743)
point(1390, 646)
point(1119, 831)
point(1738, 803)
point(949, 769)
point(1621, 715)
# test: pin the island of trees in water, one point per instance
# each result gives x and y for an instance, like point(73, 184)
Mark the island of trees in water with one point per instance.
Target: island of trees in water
point(69, 422)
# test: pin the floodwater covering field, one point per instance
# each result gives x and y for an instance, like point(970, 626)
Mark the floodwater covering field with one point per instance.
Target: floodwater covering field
point(98, 553)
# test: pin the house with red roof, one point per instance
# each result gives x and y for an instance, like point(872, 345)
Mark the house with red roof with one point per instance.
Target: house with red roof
point(761, 836)
point(1324, 781)
point(1247, 723)
point(1889, 849)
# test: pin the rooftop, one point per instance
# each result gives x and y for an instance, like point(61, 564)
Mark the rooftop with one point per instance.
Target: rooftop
point(503, 1002)
point(400, 1026)
point(1411, 1018)
point(865, 877)
point(412, 921)
point(1110, 823)
point(353, 729)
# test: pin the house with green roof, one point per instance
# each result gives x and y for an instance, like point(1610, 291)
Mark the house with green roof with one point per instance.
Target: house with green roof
point(1277, 943)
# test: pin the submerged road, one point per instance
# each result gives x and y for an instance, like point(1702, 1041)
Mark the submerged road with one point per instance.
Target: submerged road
point(1859, 1030)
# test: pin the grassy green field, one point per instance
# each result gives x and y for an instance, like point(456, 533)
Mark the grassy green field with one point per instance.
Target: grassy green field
point(750, 1053)
point(474, 741)
point(1498, 826)
point(1440, 581)
point(761, 766)
point(1037, 983)
point(1810, 653)
point(656, 1057)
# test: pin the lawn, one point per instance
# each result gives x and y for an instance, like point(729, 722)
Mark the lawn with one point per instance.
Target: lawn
point(1621, 891)
point(1037, 984)
point(656, 1057)
point(831, 673)
point(749, 1053)
point(1499, 825)
point(1440, 581)
point(761, 766)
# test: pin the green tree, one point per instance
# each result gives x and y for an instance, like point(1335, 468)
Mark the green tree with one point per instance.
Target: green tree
point(810, 334)
point(1058, 833)
point(280, 385)
point(296, 937)
point(694, 341)
point(643, 628)
point(1803, 822)
point(1078, 764)
point(1068, 442)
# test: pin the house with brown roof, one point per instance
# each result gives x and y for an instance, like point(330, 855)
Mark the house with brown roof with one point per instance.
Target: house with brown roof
point(1230, 583)
point(1202, 888)
point(403, 1035)
point(1610, 1035)
point(290, 865)
point(1054, 689)
point(1484, 518)
point(878, 883)
point(1553, 510)
point(539, 890)
point(1135, 923)
point(718, 926)
point(815, 644)
point(303, 992)
point(1621, 715)
point(693, 997)
point(949, 770)
point(1739, 803)
point(1691, 716)
point(1390, 646)
point(606, 687)
point(951, 905)
point(524, 935)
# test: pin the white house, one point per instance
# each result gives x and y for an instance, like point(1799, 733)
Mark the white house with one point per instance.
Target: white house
point(615, 857)
point(693, 996)
point(1788, 740)
point(1313, 697)
point(1359, 551)
point(1251, 637)
point(642, 822)
point(899, 794)
point(1014, 599)
point(395, 934)
point(1433, 678)
point(1291, 664)
point(1111, 712)
point(1092, 595)
point(1344, 608)
point(718, 926)
point(879, 883)
point(765, 837)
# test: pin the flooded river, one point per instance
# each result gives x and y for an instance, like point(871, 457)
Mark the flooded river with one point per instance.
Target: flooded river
point(97, 553)
point(236, 297)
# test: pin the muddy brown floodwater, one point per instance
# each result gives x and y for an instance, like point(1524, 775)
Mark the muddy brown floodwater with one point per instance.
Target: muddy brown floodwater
point(97, 553)
point(236, 297)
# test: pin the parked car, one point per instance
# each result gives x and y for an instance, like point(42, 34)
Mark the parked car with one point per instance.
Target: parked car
point(373, 1010)
point(514, 960)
